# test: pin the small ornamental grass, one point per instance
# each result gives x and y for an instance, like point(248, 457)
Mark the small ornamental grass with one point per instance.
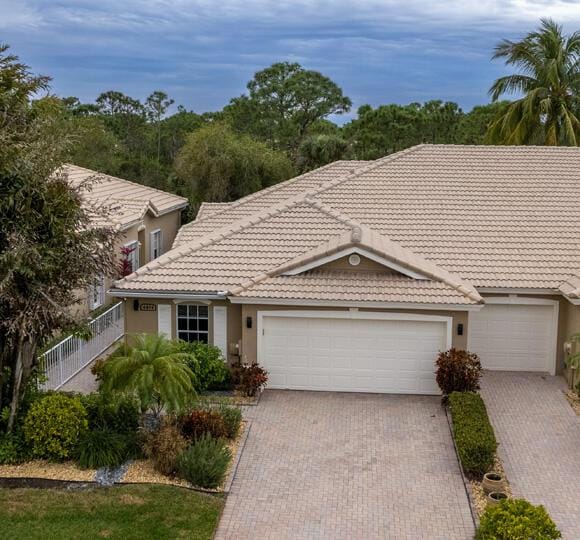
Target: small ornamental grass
point(232, 419)
point(205, 462)
point(458, 371)
point(473, 433)
point(100, 448)
point(516, 519)
point(54, 425)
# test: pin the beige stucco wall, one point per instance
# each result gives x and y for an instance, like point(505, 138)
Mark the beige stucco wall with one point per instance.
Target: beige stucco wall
point(169, 223)
point(140, 321)
point(146, 321)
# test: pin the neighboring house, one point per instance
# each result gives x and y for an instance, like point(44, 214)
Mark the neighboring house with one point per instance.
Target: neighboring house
point(352, 277)
point(148, 218)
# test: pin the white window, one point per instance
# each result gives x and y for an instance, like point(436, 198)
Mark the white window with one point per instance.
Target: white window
point(97, 292)
point(193, 322)
point(156, 244)
point(133, 254)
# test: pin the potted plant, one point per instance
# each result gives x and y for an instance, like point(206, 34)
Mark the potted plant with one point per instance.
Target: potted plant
point(493, 482)
point(495, 497)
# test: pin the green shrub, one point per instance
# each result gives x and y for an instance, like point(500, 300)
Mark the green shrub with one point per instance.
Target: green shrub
point(54, 426)
point(164, 446)
point(232, 418)
point(12, 449)
point(473, 432)
point(205, 462)
point(116, 413)
point(101, 448)
point(516, 519)
point(198, 422)
point(207, 364)
point(458, 371)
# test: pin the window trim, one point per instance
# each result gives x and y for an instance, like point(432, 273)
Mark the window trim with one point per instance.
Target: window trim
point(177, 317)
point(98, 287)
point(152, 235)
point(135, 251)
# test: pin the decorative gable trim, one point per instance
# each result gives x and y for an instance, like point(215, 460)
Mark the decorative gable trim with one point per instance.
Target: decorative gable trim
point(359, 251)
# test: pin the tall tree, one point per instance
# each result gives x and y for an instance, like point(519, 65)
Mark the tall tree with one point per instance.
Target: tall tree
point(156, 106)
point(284, 101)
point(217, 164)
point(548, 65)
point(49, 243)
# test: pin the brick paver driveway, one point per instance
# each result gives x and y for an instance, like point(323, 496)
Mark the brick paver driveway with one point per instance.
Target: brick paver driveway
point(539, 436)
point(336, 465)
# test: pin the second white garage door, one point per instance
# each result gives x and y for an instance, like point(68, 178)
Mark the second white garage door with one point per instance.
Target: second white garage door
point(514, 337)
point(313, 352)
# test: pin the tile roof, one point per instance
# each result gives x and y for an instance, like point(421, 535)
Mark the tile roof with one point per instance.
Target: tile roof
point(235, 259)
point(128, 201)
point(481, 216)
point(350, 287)
point(207, 209)
point(363, 237)
point(264, 199)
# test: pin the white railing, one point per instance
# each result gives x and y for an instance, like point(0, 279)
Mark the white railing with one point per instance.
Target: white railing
point(68, 357)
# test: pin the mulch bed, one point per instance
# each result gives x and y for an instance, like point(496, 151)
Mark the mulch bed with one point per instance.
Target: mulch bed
point(139, 471)
point(479, 496)
point(574, 401)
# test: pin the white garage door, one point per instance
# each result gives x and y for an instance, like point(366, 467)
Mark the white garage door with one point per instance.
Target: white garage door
point(352, 354)
point(514, 337)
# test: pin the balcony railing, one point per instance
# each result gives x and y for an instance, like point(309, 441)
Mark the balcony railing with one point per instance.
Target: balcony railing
point(63, 361)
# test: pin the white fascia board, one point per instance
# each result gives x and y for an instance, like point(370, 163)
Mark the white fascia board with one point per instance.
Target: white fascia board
point(120, 293)
point(345, 304)
point(358, 251)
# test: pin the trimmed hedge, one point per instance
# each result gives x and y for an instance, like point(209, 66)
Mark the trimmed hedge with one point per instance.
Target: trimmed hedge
point(516, 519)
point(473, 432)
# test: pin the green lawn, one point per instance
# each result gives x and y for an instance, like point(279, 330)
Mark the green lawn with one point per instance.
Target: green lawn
point(137, 512)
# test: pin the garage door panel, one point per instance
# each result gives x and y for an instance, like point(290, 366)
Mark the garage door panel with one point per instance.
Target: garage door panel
point(513, 337)
point(354, 355)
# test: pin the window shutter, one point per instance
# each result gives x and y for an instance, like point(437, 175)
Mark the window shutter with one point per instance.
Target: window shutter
point(164, 320)
point(220, 329)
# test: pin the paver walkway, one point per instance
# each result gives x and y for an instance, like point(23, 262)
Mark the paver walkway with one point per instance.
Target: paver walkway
point(539, 436)
point(336, 465)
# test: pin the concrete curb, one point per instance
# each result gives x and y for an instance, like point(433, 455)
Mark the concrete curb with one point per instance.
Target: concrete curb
point(241, 446)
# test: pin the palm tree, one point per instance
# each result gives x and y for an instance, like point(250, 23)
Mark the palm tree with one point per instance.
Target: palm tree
point(549, 79)
point(153, 372)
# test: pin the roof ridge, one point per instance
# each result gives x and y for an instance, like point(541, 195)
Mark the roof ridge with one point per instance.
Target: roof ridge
point(363, 170)
point(269, 189)
point(323, 187)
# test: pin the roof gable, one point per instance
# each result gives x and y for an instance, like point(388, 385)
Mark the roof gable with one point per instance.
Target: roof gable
point(129, 201)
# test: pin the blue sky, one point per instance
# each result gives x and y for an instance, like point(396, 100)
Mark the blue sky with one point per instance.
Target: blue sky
point(202, 52)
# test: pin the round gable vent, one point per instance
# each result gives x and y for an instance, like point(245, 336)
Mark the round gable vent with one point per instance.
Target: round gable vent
point(354, 260)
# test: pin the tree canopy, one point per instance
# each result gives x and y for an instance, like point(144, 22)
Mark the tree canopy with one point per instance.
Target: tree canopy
point(548, 76)
point(284, 101)
point(49, 245)
point(217, 164)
